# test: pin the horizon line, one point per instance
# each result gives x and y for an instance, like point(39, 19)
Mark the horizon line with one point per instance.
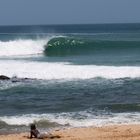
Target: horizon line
point(61, 24)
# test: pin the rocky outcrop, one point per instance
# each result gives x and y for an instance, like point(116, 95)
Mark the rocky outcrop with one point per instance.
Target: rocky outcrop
point(3, 77)
point(14, 79)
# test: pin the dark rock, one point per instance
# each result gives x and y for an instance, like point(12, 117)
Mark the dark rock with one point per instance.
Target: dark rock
point(3, 77)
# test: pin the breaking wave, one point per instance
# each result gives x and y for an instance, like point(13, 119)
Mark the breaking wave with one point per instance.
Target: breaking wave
point(60, 46)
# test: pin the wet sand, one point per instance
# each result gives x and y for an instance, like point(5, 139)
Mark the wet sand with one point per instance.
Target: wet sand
point(117, 132)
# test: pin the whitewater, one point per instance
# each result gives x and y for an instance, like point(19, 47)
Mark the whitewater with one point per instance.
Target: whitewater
point(87, 119)
point(48, 71)
point(21, 47)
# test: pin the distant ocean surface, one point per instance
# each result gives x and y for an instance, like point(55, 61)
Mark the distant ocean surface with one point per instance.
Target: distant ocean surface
point(69, 76)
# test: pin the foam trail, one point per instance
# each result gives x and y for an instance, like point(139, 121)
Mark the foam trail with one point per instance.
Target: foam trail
point(45, 70)
point(22, 47)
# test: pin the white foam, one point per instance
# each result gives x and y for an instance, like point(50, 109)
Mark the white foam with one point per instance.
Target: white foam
point(67, 118)
point(22, 47)
point(45, 70)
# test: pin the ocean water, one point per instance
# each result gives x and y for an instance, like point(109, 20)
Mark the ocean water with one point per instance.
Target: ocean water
point(69, 76)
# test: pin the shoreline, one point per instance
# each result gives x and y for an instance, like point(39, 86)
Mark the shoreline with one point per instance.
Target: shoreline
point(112, 132)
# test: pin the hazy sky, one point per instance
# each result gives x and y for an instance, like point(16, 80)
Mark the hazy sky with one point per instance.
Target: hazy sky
point(16, 12)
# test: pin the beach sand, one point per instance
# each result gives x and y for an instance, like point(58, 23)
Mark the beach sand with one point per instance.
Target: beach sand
point(118, 132)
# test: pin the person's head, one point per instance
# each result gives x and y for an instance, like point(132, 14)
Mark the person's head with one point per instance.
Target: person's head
point(32, 126)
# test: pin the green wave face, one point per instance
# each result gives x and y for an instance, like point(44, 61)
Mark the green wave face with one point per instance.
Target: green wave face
point(63, 46)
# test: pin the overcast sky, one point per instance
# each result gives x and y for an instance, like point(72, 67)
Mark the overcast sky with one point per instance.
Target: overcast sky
point(20, 12)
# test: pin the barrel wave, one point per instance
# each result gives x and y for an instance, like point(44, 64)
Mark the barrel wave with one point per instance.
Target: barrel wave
point(61, 46)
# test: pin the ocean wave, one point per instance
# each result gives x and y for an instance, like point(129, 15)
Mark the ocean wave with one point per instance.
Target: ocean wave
point(67, 71)
point(64, 45)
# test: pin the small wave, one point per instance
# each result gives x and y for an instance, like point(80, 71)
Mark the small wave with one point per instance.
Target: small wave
point(74, 119)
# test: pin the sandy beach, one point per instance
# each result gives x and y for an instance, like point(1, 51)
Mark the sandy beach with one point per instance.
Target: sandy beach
point(118, 132)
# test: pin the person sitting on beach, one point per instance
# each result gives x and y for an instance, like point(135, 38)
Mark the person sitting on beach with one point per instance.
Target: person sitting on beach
point(34, 133)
